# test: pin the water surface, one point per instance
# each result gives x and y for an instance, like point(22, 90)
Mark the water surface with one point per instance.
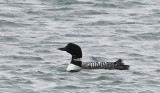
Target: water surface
point(31, 31)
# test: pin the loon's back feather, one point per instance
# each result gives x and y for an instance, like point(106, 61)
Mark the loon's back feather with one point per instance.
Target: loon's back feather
point(105, 65)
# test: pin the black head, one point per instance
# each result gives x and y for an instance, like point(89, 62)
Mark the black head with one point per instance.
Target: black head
point(73, 49)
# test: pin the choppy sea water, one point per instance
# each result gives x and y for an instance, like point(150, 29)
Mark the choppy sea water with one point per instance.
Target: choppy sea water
point(32, 30)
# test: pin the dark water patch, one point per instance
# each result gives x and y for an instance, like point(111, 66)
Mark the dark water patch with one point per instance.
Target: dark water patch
point(7, 67)
point(59, 9)
point(151, 57)
point(14, 3)
point(152, 82)
point(43, 51)
point(123, 31)
point(23, 53)
point(136, 55)
point(28, 46)
point(19, 80)
point(103, 78)
point(47, 63)
point(158, 70)
point(64, 2)
point(17, 72)
point(26, 58)
point(27, 66)
point(156, 11)
point(61, 68)
point(82, 14)
point(78, 35)
point(85, 2)
point(135, 38)
point(139, 73)
point(34, 12)
point(10, 15)
point(8, 39)
point(48, 79)
point(69, 87)
point(73, 2)
point(130, 23)
point(100, 23)
point(85, 72)
point(6, 23)
point(106, 5)
point(97, 59)
point(31, 72)
point(133, 14)
point(120, 4)
point(51, 38)
point(116, 82)
point(146, 91)
point(149, 36)
point(67, 2)
point(134, 4)
point(38, 74)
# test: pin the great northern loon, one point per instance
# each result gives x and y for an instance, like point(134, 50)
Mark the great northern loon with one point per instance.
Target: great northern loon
point(76, 63)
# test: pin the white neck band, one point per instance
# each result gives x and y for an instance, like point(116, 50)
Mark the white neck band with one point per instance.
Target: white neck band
point(78, 59)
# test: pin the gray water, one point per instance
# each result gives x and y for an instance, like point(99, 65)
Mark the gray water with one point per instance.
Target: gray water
point(32, 30)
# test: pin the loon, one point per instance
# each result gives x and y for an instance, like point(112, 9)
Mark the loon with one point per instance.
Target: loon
point(76, 63)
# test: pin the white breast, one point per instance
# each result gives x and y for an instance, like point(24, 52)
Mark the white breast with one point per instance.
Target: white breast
point(72, 67)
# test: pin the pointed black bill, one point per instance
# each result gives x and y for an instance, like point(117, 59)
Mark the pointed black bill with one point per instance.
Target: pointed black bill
point(62, 49)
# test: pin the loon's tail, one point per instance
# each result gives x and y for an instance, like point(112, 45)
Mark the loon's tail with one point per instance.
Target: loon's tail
point(120, 65)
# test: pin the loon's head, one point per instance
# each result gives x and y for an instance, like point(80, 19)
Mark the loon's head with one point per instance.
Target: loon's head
point(76, 53)
point(73, 49)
